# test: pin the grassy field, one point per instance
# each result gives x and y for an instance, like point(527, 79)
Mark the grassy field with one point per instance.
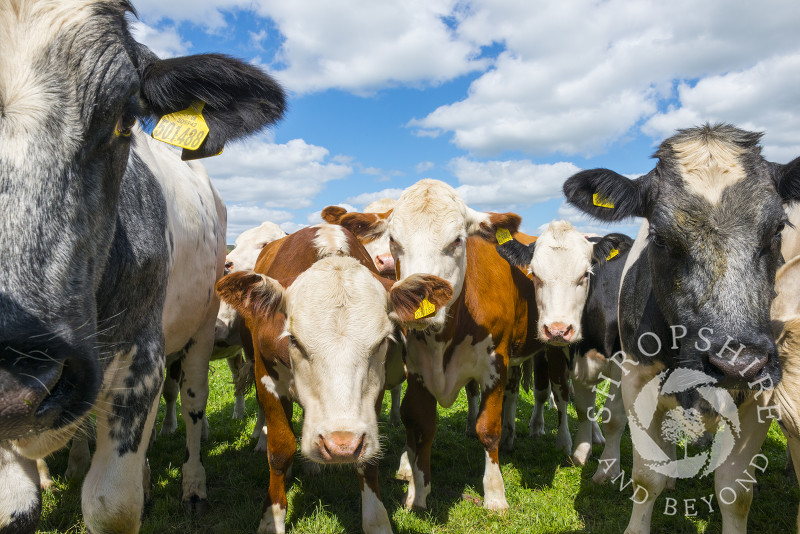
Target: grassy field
point(546, 494)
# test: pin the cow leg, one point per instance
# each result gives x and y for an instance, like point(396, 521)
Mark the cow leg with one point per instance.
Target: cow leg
point(374, 519)
point(45, 480)
point(235, 364)
point(735, 478)
point(394, 410)
point(194, 395)
point(418, 411)
point(510, 397)
point(559, 381)
point(541, 393)
point(79, 458)
point(21, 503)
point(281, 448)
point(584, 406)
point(614, 419)
point(112, 495)
point(793, 445)
point(171, 389)
point(489, 431)
point(473, 392)
point(646, 485)
point(260, 431)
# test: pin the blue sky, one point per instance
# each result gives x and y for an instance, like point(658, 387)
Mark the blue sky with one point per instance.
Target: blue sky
point(503, 99)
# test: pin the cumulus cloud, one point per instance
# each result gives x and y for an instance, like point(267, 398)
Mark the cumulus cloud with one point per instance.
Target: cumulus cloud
point(284, 176)
point(242, 217)
point(165, 42)
point(761, 98)
point(577, 76)
point(424, 166)
point(366, 198)
point(509, 184)
point(316, 217)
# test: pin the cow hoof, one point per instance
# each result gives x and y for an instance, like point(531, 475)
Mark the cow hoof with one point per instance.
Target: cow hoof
point(496, 505)
point(195, 505)
point(168, 429)
point(238, 409)
point(404, 470)
point(601, 476)
point(581, 455)
point(261, 446)
point(536, 432)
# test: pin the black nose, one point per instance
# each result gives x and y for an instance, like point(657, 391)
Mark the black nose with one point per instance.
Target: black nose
point(742, 358)
point(44, 387)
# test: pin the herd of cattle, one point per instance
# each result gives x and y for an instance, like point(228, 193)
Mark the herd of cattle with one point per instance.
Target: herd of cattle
point(115, 270)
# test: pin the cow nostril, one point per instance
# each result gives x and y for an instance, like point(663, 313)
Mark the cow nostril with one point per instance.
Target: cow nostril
point(228, 264)
point(567, 335)
point(359, 450)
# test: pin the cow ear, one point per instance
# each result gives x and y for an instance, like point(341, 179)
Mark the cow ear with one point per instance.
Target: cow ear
point(406, 296)
point(251, 294)
point(787, 179)
point(516, 253)
point(239, 98)
point(609, 196)
point(365, 226)
point(332, 214)
point(610, 247)
point(487, 224)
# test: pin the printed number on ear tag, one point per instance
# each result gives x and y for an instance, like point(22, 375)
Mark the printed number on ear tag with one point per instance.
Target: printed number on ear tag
point(425, 309)
point(600, 200)
point(186, 128)
point(614, 252)
point(503, 236)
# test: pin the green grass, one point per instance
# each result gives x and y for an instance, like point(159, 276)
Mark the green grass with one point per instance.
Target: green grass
point(545, 493)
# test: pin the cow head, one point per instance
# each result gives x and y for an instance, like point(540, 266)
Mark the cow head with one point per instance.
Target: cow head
point(243, 258)
point(72, 84)
point(712, 241)
point(377, 244)
point(561, 262)
point(339, 320)
point(428, 230)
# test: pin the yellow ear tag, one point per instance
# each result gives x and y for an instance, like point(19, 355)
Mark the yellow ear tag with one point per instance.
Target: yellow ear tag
point(426, 308)
point(186, 129)
point(600, 200)
point(613, 254)
point(503, 236)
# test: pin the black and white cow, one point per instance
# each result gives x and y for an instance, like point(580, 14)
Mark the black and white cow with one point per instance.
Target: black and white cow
point(577, 282)
point(694, 307)
point(84, 219)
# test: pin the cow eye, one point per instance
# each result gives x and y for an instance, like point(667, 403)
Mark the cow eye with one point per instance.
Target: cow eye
point(779, 229)
point(455, 244)
point(659, 241)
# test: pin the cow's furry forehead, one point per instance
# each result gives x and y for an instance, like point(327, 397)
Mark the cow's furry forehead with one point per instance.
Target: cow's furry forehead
point(430, 204)
point(339, 298)
point(561, 251)
point(60, 58)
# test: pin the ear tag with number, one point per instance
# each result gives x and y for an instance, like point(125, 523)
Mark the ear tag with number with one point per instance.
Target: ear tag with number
point(186, 128)
point(600, 200)
point(425, 309)
point(503, 236)
point(614, 252)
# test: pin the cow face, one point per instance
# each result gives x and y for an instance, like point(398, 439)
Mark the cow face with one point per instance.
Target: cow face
point(427, 232)
point(376, 243)
point(339, 320)
point(72, 84)
point(711, 243)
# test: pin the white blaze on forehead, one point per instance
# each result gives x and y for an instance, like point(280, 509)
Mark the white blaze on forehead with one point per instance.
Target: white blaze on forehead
point(249, 244)
point(330, 240)
point(431, 209)
point(708, 165)
point(561, 253)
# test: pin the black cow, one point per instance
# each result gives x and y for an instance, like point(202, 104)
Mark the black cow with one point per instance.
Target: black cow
point(86, 248)
point(694, 307)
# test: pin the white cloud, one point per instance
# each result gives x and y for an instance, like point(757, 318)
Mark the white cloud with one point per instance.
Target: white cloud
point(366, 198)
point(242, 217)
point(578, 76)
point(761, 98)
point(206, 13)
point(424, 166)
point(509, 184)
point(284, 176)
point(165, 42)
point(362, 46)
point(291, 227)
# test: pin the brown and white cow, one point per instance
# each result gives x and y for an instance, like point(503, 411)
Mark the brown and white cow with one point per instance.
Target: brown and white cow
point(322, 319)
point(475, 336)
